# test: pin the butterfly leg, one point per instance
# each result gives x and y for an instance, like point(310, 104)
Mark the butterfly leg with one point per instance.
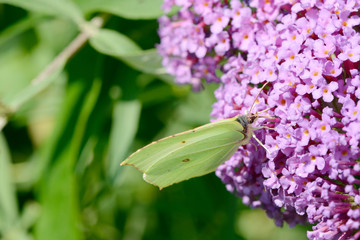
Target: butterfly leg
point(261, 144)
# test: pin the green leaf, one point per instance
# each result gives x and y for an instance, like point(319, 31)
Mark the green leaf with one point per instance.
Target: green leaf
point(59, 8)
point(60, 213)
point(134, 9)
point(115, 44)
point(8, 203)
point(148, 61)
point(20, 64)
point(21, 26)
point(124, 127)
point(59, 194)
point(32, 90)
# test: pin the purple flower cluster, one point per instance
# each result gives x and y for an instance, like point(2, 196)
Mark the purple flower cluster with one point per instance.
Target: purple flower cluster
point(308, 51)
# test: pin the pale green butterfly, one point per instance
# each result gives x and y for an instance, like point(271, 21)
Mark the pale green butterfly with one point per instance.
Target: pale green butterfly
point(195, 152)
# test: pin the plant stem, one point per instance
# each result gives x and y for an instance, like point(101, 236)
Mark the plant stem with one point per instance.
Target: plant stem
point(38, 84)
point(75, 45)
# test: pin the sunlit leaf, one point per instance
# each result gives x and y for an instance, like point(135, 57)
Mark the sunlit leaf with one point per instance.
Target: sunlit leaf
point(134, 9)
point(59, 8)
point(115, 44)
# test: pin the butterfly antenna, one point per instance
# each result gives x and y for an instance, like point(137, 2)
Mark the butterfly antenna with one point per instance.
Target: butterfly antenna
point(265, 110)
point(264, 116)
point(257, 96)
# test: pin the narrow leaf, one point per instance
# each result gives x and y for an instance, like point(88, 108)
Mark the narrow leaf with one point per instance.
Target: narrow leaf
point(59, 194)
point(115, 44)
point(135, 9)
point(8, 203)
point(32, 90)
point(148, 61)
point(59, 8)
point(60, 213)
point(124, 127)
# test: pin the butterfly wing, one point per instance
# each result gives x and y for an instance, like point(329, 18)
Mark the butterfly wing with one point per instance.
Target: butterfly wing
point(189, 154)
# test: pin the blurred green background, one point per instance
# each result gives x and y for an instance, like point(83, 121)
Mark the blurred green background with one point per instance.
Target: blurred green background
point(65, 131)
